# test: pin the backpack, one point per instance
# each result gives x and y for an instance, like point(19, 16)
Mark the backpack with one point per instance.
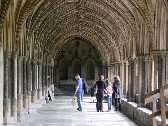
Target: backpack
point(84, 86)
point(93, 90)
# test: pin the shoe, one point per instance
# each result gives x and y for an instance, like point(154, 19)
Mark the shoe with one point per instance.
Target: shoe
point(108, 110)
point(79, 109)
point(115, 110)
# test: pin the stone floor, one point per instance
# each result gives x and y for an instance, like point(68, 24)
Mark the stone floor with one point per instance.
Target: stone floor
point(60, 112)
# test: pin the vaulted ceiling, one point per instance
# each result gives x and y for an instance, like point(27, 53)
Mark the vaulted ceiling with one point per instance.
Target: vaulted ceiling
point(106, 24)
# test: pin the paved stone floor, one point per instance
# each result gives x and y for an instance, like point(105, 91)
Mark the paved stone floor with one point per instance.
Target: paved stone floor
point(60, 112)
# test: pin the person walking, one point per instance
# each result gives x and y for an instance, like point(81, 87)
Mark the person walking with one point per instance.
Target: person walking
point(109, 92)
point(100, 85)
point(49, 96)
point(117, 93)
point(79, 92)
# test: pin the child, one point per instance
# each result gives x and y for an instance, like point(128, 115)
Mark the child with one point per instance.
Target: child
point(49, 96)
point(109, 92)
point(46, 98)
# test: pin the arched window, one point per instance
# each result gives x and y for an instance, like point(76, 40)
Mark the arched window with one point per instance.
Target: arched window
point(76, 68)
point(90, 74)
point(63, 70)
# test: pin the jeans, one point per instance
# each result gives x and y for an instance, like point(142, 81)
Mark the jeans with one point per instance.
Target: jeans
point(80, 100)
point(109, 101)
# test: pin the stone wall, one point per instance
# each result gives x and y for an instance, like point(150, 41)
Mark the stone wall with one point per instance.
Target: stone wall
point(138, 114)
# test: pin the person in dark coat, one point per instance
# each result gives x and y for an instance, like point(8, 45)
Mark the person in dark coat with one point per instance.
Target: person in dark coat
point(117, 93)
point(49, 96)
point(100, 85)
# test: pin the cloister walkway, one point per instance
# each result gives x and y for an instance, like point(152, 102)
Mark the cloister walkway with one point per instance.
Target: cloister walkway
point(60, 112)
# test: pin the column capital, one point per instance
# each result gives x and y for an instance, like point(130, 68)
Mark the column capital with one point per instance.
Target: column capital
point(144, 57)
point(25, 58)
point(14, 55)
point(39, 62)
point(7, 54)
point(20, 57)
point(158, 52)
point(35, 61)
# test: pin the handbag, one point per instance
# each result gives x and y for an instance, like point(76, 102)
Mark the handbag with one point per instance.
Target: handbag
point(95, 89)
point(73, 101)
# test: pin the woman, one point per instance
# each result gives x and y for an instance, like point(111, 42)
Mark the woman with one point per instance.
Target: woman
point(117, 92)
point(100, 85)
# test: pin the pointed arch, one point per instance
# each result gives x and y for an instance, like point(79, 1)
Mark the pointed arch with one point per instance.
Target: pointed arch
point(63, 69)
point(90, 70)
point(76, 67)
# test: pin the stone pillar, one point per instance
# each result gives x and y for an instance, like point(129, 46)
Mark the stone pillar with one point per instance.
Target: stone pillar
point(143, 64)
point(155, 72)
point(131, 73)
point(162, 63)
point(25, 97)
point(34, 82)
point(29, 82)
point(39, 90)
point(1, 82)
point(6, 101)
point(47, 76)
point(166, 69)
point(14, 85)
point(19, 87)
point(109, 72)
point(122, 76)
point(116, 69)
point(44, 80)
point(125, 85)
point(52, 74)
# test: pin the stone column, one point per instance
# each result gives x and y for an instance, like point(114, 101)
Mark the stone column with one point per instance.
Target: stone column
point(25, 97)
point(19, 86)
point(122, 76)
point(131, 96)
point(54, 75)
point(6, 101)
point(39, 90)
point(14, 85)
point(143, 64)
point(162, 64)
point(2, 84)
point(29, 82)
point(44, 80)
point(125, 86)
point(116, 69)
point(166, 69)
point(155, 72)
point(34, 81)
point(47, 76)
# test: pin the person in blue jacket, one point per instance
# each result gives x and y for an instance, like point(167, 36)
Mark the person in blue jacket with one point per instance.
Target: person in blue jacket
point(79, 91)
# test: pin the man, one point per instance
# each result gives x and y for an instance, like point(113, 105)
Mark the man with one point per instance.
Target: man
point(79, 92)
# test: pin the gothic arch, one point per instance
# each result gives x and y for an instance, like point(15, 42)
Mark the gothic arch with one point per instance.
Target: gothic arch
point(63, 69)
point(76, 67)
point(90, 69)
